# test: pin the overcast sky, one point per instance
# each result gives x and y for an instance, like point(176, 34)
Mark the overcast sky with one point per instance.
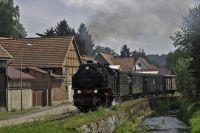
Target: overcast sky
point(146, 24)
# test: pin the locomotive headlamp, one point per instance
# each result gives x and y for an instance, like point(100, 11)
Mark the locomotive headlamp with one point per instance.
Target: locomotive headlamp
point(79, 91)
point(95, 91)
point(87, 67)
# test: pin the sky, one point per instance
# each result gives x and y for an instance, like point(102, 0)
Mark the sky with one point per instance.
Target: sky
point(146, 24)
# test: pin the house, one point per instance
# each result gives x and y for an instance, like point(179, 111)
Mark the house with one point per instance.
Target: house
point(46, 87)
point(18, 97)
point(58, 56)
point(104, 58)
point(11, 92)
point(124, 63)
point(143, 66)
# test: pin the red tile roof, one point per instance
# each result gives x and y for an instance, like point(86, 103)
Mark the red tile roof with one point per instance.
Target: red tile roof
point(108, 58)
point(148, 65)
point(13, 73)
point(126, 64)
point(44, 52)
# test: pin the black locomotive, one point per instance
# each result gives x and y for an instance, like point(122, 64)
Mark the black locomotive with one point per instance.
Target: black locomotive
point(97, 84)
point(94, 84)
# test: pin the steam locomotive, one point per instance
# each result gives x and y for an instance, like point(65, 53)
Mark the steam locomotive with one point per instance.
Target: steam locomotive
point(97, 84)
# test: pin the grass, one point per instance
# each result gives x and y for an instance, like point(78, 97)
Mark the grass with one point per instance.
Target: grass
point(126, 127)
point(190, 113)
point(72, 124)
point(37, 127)
point(69, 124)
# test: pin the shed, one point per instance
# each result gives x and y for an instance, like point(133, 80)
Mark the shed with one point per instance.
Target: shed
point(14, 89)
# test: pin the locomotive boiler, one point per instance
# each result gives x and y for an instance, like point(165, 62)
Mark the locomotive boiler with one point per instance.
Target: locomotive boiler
point(94, 85)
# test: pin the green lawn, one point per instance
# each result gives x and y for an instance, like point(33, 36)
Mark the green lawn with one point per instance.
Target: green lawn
point(68, 124)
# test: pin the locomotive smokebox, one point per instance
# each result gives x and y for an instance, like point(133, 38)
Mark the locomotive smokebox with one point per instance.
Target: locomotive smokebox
point(87, 76)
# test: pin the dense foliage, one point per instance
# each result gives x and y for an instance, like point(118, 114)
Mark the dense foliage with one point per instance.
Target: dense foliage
point(84, 40)
point(157, 60)
point(107, 50)
point(10, 25)
point(185, 61)
point(125, 51)
point(136, 54)
point(61, 29)
point(83, 36)
point(190, 113)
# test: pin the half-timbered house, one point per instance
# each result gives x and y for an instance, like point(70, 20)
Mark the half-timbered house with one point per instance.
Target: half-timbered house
point(58, 56)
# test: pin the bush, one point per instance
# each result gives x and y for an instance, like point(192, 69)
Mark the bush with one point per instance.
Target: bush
point(190, 113)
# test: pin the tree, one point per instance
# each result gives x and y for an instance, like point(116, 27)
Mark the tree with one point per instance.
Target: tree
point(84, 40)
point(184, 79)
point(61, 29)
point(10, 25)
point(136, 54)
point(172, 59)
point(83, 37)
point(195, 64)
point(48, 33)
point(125, 51)
point(107, 50)
point(187, 41)
point(189, 30)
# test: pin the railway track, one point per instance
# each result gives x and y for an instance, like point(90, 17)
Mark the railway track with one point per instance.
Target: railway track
point(62, 117)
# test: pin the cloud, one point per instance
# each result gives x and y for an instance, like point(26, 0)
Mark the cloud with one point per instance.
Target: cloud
point(38, 15)
point(144, 24)
point(92, 4)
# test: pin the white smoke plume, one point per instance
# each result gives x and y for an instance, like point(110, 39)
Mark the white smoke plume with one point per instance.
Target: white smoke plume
point(144, 24)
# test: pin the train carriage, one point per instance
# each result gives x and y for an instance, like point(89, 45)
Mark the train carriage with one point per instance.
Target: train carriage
point(124, 84)
point(137, 84)
point(97, 84)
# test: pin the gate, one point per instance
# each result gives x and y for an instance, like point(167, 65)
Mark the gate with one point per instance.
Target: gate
point(39, 98)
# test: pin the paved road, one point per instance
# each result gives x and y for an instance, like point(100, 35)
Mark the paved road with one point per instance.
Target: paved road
point(38, 116)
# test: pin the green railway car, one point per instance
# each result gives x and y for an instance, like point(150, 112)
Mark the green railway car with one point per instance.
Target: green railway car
point(124, 80)
point(137, 84)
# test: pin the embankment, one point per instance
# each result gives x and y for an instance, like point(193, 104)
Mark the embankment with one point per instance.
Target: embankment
point(133, 111)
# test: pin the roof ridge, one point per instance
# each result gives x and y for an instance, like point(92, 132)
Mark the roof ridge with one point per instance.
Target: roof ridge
point(43, 53)
point(52, 37)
